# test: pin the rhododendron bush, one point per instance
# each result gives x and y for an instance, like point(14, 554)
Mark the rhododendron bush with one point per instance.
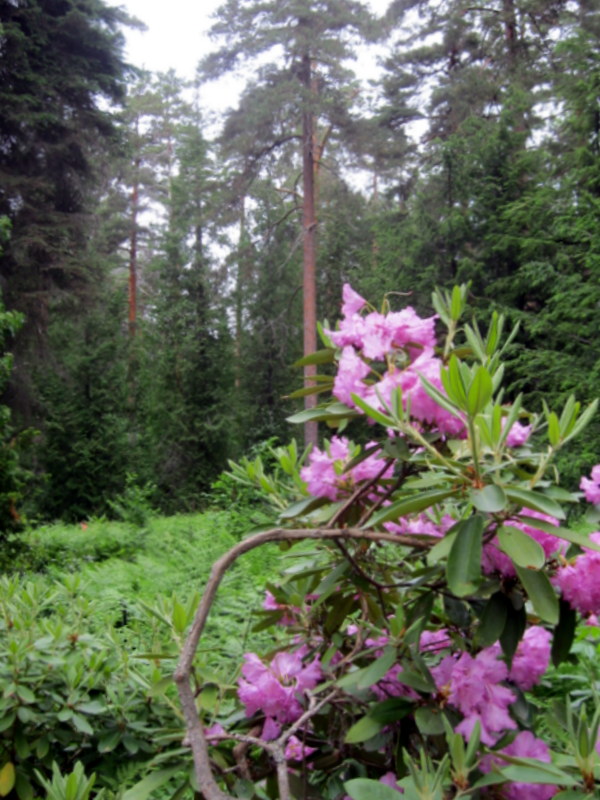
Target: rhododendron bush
point(434, 579)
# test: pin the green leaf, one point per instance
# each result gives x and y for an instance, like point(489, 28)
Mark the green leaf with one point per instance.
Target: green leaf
point(564, 633)
point(535, 500)
point(145, 787)
point(490, 499)
point(303, 507)
point(480, 391)
point(575, 537)
point(516, 620)
point(493, 620)
point(25, 694)
point(523, 549)
point(82, 725)
point(109, 741)
point(540, 592)
point(324, 356)
point(368, 789)
point(364, 729)
point(538, 772)
point(429, 721)
point(439, 397)
point(371, 412)
point(338, 613)
point(453, 383)
point(463, 570)
point(391, 710)
point(553, 429)
point(443, 547)
point(410, 505)
point(456, 303)
point(308, 390)
point(7, 778)
point(375, 671)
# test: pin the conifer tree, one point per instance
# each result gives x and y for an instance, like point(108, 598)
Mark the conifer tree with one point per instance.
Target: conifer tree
point(303, 81)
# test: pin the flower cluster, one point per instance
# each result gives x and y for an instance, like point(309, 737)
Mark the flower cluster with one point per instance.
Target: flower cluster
point(277, 689)
point(524, 745)
point(404, 343)
point(591, 486)
point(327, 474)
point(579, 582)
point(472, 684)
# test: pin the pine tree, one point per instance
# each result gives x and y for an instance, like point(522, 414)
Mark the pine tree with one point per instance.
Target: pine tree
point(303, 83)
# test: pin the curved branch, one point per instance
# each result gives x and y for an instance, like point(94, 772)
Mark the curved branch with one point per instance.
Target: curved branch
point(195, 732)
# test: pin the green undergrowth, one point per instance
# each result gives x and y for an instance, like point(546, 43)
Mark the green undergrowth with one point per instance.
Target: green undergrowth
point(141, 574)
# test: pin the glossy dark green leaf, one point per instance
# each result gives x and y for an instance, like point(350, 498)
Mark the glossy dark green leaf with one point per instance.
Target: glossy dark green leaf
point(463, 570)
point(537, 772)
point(523, 549)
point(564, 633)
point(535, 500)
point(575, 537)
point(340, 609)
point(410, 505)
point(391, 710)
point(480, 391)
point(490, 499)
point(303, 506)
point(375, 671)
point(540, 592)
point(493, 620)
point(364, 729)
point(514, 628)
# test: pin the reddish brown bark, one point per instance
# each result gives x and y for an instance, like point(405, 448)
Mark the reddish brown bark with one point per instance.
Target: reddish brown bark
point(309, 227)
point(132, 292)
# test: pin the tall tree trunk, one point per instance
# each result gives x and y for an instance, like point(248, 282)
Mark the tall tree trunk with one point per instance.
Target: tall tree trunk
point(132, 295)
point(309, 226)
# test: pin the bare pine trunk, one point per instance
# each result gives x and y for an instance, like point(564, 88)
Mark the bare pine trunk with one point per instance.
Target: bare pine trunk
point(309, 226)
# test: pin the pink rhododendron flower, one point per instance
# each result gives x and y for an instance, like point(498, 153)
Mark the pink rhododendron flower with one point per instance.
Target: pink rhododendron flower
point(389, 779)
point(434, 641)
point(215, 732)
point(295, 750)
point(352, 301)
point(270, 604)
point(349, 379)
point(579, 582)
point(591, 486)
point(494, 560)
point(420, 525)
point(532, 658)
point(472, 685)
point(275, 689)
point(325, 473)
point(408, 328)
point(525, 745)
point(518, 434)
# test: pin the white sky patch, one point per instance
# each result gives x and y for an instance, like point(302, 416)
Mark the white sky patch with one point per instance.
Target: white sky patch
point(176, 38)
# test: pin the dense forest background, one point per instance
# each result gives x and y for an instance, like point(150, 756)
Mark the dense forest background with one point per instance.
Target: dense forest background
point(151, 269)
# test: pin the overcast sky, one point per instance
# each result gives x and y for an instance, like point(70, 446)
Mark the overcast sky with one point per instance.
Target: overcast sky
point(176, 39)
